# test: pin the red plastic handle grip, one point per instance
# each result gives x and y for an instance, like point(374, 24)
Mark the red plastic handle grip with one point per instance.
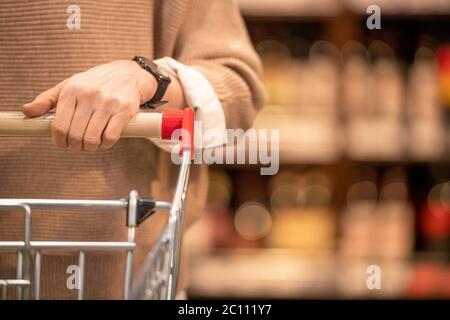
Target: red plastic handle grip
point(179, 119)
point(187, 136)
point(171, 121)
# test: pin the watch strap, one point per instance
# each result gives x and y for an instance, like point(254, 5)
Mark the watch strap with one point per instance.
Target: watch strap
point(163, 82)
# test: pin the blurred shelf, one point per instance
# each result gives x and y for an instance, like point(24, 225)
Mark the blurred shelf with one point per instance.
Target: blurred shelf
point(255, 273)
point(377, 162)
point(316, 160)
point(312, 139)
point(288, 273)
point(400, 7)
point(304, 135)
point(329, 8)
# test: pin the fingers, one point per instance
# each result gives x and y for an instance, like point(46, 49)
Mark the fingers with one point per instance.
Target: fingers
point(44, 102)
point(114, 129)
point(89, 121)
point(80, 120)
point(92, 107)
point(65, 109)
point(97, 124)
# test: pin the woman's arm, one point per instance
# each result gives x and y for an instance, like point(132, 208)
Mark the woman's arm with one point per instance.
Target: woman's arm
point(93, 107)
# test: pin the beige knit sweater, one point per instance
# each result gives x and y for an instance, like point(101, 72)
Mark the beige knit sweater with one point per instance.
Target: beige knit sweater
point(37, 51)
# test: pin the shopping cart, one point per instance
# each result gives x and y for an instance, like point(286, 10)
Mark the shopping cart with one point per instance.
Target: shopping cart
point(158, 277)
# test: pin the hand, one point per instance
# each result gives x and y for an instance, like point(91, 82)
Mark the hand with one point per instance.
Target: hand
point(93, 107)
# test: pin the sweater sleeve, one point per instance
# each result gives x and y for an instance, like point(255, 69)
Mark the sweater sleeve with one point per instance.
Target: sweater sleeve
point(213, 39)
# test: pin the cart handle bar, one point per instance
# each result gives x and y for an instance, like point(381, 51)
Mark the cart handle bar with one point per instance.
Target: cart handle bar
point(159, 125)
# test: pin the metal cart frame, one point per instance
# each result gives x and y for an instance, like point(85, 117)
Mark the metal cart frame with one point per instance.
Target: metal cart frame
point(158, 277)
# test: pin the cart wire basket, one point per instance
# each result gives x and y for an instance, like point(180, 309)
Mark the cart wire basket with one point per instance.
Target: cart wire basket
point(158, 277)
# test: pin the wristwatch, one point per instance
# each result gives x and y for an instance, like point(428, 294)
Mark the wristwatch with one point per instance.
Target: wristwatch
point(162, 80)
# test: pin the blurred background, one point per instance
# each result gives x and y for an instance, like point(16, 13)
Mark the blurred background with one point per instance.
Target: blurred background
point(364, 159)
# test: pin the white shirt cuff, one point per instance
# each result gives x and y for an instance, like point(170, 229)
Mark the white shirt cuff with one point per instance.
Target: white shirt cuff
point(198, 93)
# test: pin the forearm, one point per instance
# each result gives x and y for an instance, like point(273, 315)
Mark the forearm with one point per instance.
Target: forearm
point(228, 62)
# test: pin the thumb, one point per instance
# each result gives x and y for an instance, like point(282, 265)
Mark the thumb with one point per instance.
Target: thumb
point(44, 102)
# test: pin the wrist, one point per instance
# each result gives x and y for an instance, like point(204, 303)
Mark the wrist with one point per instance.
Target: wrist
point(147, 85)
point(162, 82)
